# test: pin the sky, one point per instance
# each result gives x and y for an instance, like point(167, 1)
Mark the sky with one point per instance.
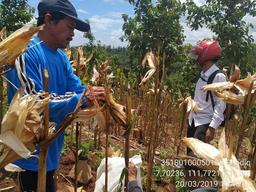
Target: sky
point(106, 21)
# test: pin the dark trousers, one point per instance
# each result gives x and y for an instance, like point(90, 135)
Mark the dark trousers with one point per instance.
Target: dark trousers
point(28, 181)
point(198, 132)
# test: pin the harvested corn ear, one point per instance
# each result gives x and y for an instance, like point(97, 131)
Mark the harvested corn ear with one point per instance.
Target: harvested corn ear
point(230, 97)
point(220, 86)
point(117, 111)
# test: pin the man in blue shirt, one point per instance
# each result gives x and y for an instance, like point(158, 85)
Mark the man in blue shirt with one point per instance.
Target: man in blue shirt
point(45, 52)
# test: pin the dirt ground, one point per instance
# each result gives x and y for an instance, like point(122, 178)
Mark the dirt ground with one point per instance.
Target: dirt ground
point(65, 183)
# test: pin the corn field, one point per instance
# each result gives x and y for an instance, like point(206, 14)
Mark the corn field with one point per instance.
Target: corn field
point(144, 119)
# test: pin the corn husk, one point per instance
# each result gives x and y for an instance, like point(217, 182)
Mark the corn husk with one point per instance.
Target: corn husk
point(13, 168)
point(68, 53)
point(235, 75)
point(117, 111)
point(83, 61)
point(95, 112)
point(150, 58)
point(96, 75)
point(3, 34)
point(243, 85)
point(220, 86)
point(230, 97)
point(20, 127)
point(191, 105)
point(230, 171)
point(15, 44)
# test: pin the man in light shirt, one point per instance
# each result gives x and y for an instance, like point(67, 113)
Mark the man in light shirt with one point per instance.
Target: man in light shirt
point(202, 124)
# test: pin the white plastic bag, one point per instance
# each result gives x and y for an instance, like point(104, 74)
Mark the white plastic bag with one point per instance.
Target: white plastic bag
point(115, 168)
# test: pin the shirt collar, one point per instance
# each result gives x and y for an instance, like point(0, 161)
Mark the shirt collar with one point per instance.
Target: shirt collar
point(210, 71)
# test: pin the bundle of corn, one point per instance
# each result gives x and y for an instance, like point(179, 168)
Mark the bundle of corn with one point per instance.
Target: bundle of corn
point(235, 90)
point(21, 127)
point(152, 63)
point(15, 44)
point(116, 110)
point(229, 169)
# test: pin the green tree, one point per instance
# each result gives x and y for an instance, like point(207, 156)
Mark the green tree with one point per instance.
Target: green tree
point(154, 25)
point(226, 19)
point(14, 14)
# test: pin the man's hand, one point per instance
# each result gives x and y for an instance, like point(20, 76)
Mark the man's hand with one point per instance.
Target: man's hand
point(95, 93)
point(132, 172)
point(209, 134)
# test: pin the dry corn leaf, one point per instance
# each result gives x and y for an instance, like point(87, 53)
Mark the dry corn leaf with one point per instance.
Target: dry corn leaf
point(96, 75)
point(230, 97)
point(191, 105)
point(3, 34)
point(220, 86)
point(203, 150)
point(152, 62)
point(101, 120)
point(13, 168)
point(245, 84)
point(15, 44)
point(7, 155)
point(114, 153)
point(235, 75)
point(95, 112)
point(147, 76)
point(16, 132)
point(68, 52)
point(79, 58)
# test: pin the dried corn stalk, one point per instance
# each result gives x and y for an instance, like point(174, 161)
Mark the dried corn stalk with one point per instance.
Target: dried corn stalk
point(15, 44)
point(79, 58)
point(20, 127)
point(116, 110)
point(152, 63)
point(230, 171)
point(68, 52)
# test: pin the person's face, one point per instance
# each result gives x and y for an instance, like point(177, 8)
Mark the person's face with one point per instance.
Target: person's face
point(62, 32)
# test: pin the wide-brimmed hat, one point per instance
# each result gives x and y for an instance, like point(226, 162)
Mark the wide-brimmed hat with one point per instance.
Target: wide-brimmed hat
point(65, 7)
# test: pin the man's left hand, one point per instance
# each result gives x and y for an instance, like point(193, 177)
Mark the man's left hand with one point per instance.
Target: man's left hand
point(95, 93)
point(209, 134)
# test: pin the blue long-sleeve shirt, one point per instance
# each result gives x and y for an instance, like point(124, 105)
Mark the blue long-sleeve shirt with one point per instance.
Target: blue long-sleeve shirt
point(61, 80)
